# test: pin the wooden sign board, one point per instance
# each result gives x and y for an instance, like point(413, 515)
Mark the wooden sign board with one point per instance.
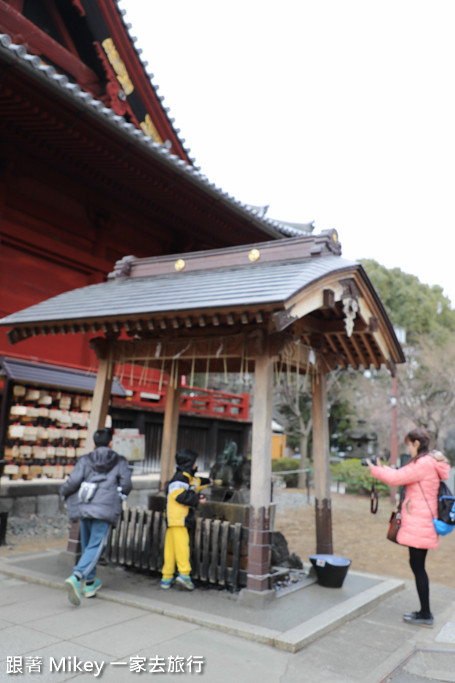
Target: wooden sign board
point(129, 443)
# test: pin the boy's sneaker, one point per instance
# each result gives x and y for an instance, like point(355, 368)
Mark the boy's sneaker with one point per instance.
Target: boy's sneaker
point(91, 589)
point(73, 590)
point(185, 581)
point(167, 583)
point(416, 618)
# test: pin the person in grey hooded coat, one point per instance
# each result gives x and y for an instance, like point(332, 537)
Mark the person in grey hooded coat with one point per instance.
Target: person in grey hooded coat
point(93, 494)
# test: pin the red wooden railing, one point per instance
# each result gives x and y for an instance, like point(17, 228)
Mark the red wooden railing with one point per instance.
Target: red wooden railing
point(195, 400)
point(147, 389)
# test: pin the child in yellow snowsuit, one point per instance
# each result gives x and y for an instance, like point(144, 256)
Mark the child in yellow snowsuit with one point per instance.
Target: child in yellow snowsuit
point(182, 498)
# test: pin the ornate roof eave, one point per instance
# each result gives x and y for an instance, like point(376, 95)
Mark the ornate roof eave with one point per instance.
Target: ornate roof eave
point(31, 66)
point(128, 86)
point(113, 16)
point(350, 316)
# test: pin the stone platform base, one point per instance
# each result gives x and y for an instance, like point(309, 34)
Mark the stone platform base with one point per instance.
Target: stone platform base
point(41, 496)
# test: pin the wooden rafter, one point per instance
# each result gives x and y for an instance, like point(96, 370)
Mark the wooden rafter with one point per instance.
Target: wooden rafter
point(347, 350)
point(340, 357)
point(363, 360)
point(373, 356)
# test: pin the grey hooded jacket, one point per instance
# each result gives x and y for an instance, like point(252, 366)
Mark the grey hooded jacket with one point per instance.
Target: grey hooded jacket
point(109, 471)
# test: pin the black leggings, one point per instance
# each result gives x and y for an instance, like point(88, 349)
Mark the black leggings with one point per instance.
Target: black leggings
point(417, 558)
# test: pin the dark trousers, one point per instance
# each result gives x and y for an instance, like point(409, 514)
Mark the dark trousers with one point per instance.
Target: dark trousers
point(417, 557)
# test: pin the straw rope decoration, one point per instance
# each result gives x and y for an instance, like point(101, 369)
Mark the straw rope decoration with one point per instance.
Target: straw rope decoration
point(278, 370)
point(175, 362)
point(120, 368)
point(207, 367)
point(308, 363)
point(144, 373)
point(160, 383)
point(157, 355)
point(132, 365)
point(193, 361)
point(175, 379)
point(182, 351)
point(123, 363)
point(242, 359)
point(171, 374)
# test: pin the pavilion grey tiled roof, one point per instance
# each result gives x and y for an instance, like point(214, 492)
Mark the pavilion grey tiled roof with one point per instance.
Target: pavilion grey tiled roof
point(258, 284)
point(51, 375)
point(18, 54)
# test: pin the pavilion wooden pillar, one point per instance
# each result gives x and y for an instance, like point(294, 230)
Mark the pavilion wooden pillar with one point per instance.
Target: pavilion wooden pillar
point(170, 432)
point(321, 463)
point(259, 541)
point(101, 398)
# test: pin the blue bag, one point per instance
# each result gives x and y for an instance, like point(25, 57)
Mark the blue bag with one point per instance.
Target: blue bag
point(442, 528)
point(445, 523)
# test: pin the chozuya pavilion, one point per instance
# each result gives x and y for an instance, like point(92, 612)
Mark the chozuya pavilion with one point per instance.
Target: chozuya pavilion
point(291, 303)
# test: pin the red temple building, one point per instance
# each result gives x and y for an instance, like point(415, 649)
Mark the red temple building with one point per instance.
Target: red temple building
point(92, 170)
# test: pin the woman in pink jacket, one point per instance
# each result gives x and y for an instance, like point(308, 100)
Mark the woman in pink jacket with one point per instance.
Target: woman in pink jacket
point(421, 476)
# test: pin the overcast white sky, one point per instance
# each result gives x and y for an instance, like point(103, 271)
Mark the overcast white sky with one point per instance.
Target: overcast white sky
point(340, 112)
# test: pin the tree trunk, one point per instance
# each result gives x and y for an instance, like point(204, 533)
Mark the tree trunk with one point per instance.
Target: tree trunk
point(303, 461)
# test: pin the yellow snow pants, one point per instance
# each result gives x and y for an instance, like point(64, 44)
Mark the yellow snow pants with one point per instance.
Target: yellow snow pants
point(176, 552)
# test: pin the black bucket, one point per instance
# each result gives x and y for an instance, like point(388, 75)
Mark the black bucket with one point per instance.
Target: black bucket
point(330, 570)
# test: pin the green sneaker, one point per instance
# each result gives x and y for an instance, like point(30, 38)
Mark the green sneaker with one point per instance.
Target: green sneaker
point(167, 583)
point(91, 589)
point(73, 589)
point(185, 581)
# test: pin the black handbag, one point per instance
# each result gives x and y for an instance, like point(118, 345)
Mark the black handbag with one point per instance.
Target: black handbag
point(394, 525)
point(395, 520)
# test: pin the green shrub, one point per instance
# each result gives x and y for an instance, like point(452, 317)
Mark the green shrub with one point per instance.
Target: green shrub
point(284, 464)
point(357, 477)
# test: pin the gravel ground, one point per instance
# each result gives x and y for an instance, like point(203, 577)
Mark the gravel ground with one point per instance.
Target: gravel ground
point(37, 525)
point(297, 499)
point(36, 530)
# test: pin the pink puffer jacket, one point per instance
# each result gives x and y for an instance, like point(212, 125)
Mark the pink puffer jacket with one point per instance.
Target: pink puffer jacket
point(417, 530)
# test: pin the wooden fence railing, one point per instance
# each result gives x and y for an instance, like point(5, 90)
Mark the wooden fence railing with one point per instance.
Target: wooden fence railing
point(219, 548)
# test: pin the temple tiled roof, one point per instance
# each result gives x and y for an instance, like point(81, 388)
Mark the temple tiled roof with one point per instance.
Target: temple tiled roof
point(49, 77)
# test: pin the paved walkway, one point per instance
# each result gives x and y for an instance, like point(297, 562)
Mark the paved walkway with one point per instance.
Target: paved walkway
point(133, 629)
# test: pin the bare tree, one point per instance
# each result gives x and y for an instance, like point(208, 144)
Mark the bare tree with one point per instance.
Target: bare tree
point(427, 388)
point(293, 394)
point(294, 398)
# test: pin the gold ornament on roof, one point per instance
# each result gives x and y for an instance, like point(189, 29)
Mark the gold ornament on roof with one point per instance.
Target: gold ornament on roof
point(149, 129)
point(254, 255)
point(179, 264)
point(118, 65)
